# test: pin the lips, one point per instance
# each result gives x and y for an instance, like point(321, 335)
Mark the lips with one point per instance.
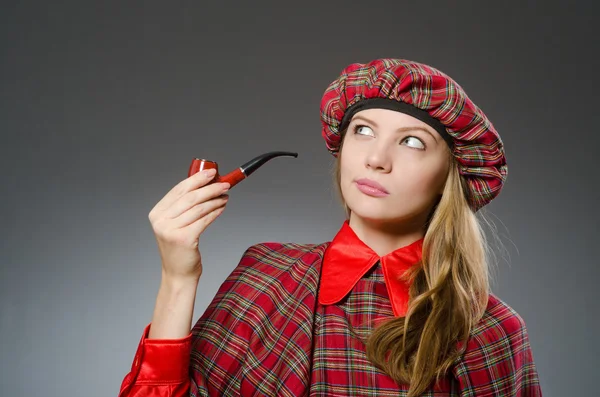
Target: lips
point(369, 183)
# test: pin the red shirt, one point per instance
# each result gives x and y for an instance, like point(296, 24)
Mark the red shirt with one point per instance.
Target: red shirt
point(291, 320)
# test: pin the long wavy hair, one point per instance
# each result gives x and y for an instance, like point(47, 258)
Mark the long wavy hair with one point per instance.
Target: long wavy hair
point(448, 293)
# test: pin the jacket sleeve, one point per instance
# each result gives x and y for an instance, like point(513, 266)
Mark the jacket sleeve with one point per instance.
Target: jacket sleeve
point(498, 361)
point(160, 368)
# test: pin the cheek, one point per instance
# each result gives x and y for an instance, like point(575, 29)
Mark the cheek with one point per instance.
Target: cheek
point(424, 179)
point(347, 167)
point(345, 176)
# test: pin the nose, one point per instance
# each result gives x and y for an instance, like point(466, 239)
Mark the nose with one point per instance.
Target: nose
point(378, 158)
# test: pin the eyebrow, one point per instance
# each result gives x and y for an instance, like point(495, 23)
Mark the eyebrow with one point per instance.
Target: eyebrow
point(401, 129)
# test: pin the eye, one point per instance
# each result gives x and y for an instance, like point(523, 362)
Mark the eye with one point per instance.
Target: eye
point(363, 130)
point(413, 142)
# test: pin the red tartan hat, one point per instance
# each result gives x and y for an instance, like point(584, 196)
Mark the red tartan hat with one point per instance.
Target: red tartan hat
point(431, 96)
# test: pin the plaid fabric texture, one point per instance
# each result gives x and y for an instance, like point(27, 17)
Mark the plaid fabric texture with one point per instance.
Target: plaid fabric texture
point(477, 146)
point(265, 334)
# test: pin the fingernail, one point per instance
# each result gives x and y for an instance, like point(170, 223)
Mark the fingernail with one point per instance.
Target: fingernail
point(209, 172)
point(226, 186)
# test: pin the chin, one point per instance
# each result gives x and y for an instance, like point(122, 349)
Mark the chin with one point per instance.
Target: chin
point(377, 212)
point(373, 212)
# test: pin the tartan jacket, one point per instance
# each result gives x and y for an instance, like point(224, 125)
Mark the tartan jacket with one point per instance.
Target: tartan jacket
point(257, 337)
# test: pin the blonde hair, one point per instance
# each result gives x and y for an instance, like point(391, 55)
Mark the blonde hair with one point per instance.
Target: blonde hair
point(448, 293)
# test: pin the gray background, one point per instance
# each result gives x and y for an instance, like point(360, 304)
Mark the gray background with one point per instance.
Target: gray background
point(104, 104)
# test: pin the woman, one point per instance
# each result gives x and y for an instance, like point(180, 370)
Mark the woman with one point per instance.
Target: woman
point(398, 303)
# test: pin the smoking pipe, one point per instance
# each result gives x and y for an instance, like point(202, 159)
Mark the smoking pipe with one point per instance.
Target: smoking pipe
point(239, 174)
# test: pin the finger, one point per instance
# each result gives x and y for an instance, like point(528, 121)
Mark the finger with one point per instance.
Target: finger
point(198, 227)
point(195, 213)
point(193, 182)
point(194, 198)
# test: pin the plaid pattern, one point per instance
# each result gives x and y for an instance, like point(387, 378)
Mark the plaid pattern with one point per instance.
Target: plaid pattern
point(477, 146)
point(265, 334)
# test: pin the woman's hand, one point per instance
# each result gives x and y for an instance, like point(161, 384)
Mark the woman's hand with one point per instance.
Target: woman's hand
point(179, 219)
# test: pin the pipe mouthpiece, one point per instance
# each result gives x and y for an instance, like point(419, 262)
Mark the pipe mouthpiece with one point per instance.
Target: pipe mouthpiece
point(254, 164)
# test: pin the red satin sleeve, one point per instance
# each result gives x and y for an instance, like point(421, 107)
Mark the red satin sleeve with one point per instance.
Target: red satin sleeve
point(160, 368)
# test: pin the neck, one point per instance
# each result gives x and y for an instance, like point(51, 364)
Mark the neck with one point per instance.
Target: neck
point(384, 238)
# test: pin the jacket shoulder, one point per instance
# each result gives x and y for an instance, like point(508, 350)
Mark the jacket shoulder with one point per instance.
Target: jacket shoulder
point(288, 250)
point(500, 335)
point(280, 256)
point(499, 321)
point(270, 266)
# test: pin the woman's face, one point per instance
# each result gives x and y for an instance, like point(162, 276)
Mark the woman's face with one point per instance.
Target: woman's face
point(393, 167)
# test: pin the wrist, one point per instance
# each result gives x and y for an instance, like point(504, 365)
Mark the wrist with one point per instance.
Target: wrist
point(179, 282)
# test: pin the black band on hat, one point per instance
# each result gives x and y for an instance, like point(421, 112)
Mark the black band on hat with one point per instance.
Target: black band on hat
point(402, 107)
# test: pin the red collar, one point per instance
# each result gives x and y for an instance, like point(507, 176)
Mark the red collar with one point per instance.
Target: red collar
point(347, 259)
